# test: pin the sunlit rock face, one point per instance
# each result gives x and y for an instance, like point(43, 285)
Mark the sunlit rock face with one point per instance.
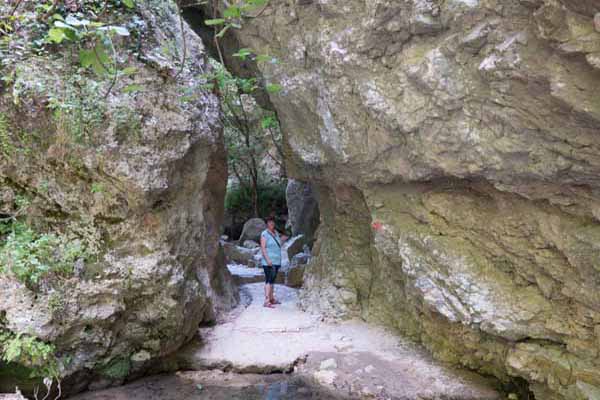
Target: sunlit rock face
point(455, 150)
point(145, 186)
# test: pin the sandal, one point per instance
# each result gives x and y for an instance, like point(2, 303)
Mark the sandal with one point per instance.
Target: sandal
point(275, 302)
point(268, 305)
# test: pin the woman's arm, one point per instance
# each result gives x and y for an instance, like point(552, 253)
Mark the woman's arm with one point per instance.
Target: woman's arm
point(263, 249)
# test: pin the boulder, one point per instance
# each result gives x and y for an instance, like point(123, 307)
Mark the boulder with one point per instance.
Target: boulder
point(252, 230)
point(250, 244)
point(300, 259)
point(294, 276)
point(134, 181)
point(240, 255)
point(294, 246)
point(453, 146)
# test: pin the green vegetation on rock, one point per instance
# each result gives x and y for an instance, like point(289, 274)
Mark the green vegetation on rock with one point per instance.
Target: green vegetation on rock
point(35, 258)
point(37, 356)
point(117, 368)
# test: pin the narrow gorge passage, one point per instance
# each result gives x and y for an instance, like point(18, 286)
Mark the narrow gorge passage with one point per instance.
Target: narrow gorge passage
point(444, 158)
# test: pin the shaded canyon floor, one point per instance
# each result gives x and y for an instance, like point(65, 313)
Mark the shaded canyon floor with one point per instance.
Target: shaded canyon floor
point(285, 353)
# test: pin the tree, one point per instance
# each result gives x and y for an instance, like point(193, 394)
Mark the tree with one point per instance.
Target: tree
point(252, 134)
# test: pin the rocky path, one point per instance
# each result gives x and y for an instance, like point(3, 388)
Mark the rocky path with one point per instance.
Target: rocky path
point(350, 357)
point(249, 356)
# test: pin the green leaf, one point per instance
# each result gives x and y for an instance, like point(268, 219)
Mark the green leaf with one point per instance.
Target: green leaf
point(129, 71)
point(216, 21)
point(223, 31)
point(132, 88)
point(232, 12)
point(243, 53)
point(56, 35)
point(257, 3)
point(129, 3)
point(86, 58)
point(95, 58)
point(264, 58)
point(274, 88)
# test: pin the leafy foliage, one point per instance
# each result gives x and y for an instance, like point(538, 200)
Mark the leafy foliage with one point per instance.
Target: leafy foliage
point(252, 134)
point(271, 196)
point(51, 23)
point(34, 258)
point(30, 352)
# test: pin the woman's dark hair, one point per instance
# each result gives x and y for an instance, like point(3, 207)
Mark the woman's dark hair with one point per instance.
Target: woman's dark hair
point(270, 218)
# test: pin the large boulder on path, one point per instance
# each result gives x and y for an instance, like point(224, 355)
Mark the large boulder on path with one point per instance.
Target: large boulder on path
point(252, 230)
point(238, 254)
point(303, 210)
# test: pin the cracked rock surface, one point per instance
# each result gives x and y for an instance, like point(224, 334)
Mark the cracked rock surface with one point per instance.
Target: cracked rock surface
point(454, 150)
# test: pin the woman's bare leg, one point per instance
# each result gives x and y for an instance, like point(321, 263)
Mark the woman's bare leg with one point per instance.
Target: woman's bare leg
point(267, 292)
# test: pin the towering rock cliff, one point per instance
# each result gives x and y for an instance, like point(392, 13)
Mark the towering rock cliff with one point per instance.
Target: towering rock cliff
point(133, 170)
point(455, 149)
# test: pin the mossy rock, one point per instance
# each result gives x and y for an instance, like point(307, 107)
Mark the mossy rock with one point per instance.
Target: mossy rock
point(117, 369)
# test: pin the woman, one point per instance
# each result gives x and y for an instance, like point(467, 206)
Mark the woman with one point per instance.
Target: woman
point(270, 245)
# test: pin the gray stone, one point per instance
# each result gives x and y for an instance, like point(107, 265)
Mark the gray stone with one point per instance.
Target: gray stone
point(454, 150)
point(252, 230)
point(328, 364)
point(300, 259)
point(294, 276)
point(143, 188)
point(250, 244)
point(294, 246)
point(303, 210)
point(239, 254)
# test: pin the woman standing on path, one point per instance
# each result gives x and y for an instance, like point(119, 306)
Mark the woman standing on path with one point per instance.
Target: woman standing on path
point(270, 245)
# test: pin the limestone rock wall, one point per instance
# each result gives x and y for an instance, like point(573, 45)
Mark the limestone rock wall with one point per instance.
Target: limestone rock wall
point(145, 185)
point(455, 150)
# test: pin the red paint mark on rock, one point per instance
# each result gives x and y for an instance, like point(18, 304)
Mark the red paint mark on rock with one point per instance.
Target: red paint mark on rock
point(377, 225)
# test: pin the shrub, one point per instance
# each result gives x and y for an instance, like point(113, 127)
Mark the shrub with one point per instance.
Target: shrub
point(30, 352)
point(35, 258)
point(271, 197)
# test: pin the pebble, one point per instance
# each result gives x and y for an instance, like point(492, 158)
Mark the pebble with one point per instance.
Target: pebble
point(343, 347)
point(369, 369)
point(325, 377)
point(330, 363)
